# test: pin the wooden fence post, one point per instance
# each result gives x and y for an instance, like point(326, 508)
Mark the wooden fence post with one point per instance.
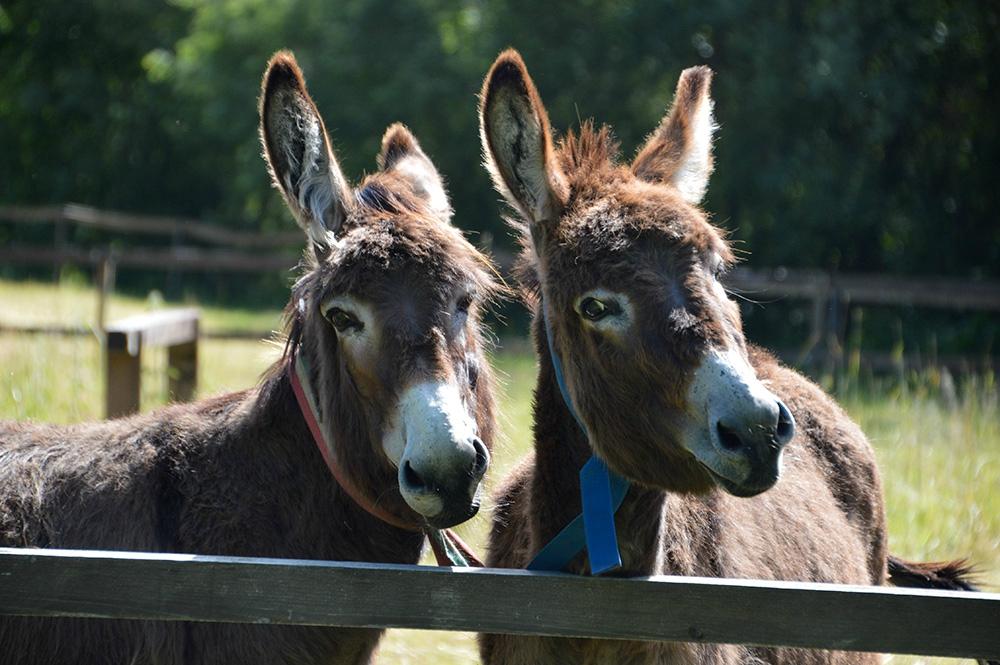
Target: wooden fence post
point(837, 308)
point(122, 381)
point(808, 356)
point(182, 370)
point(105, 284)
point(59, 243)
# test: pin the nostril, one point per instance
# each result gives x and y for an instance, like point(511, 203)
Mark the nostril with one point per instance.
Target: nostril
point(786, 424)
point(482, 458)
point(411, 477)
point(728, 438)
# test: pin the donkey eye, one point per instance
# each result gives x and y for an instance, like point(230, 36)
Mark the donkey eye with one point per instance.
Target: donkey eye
point(463, 304)
point(593, 309)
point(343, 320)
point(473, 370)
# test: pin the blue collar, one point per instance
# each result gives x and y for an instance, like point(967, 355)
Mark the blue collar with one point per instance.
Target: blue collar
point(601, 494)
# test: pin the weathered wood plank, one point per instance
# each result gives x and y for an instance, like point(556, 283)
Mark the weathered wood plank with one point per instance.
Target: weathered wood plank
point(122, 377)
point(934, 292)
point(112, 220)
point(146, 258)
point(164, 328)
point(182, 370)
point(203, 588)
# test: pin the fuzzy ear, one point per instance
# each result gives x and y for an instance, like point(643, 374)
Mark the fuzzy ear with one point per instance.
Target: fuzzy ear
point(679, 152)
point(517, 141)
point(401, 154)
point(298, 153)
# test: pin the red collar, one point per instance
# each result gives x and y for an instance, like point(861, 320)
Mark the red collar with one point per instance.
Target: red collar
point(449, 549)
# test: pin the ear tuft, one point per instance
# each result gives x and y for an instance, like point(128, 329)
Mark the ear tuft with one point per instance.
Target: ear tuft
point(679, 152)
point(282, 70)
point(401, 154)
point(517, 140)
point(509, 70)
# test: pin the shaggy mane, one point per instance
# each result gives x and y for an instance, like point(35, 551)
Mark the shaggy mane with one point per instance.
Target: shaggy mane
point(592, 149)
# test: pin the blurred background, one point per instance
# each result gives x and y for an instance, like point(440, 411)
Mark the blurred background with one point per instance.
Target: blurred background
point(856, 170)
point(855, 137)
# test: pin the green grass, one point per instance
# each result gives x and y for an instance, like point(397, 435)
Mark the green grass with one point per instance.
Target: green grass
point(939, 455)
point(73, 303)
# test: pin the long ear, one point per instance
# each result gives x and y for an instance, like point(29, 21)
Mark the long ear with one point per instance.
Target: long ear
point(298, 152)
point(401, 154)
point(517, 141)
point(679, 152)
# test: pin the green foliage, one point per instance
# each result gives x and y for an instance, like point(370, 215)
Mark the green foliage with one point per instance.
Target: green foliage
point(79, 119)
point(855, 136)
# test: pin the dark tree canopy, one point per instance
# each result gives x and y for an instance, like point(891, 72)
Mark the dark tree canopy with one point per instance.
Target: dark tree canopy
point(857, 136)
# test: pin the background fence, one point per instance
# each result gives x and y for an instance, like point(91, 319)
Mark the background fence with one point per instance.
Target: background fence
point(194, 246)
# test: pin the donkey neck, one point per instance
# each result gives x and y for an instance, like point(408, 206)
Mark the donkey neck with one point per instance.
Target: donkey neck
point(326, 510)
point(561, 449)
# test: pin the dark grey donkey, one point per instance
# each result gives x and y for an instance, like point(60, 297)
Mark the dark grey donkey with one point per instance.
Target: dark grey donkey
point(385, 321)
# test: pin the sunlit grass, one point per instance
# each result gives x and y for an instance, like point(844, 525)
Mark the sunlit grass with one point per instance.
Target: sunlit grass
point(939, 451)
point(941, 471)
point(73, 303)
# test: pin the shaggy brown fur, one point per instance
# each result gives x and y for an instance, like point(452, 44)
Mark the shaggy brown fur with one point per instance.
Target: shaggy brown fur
point(591, 222)
point(240, 474)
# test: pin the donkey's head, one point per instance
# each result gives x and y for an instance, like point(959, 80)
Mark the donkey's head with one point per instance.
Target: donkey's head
point(386, 312)
point(627, 268)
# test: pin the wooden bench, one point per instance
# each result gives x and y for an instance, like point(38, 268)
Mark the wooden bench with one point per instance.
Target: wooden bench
point(176, 329)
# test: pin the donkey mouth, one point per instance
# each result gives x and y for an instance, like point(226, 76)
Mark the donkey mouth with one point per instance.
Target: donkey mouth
point(760, 480)
point(450, 517)
point(442, 510)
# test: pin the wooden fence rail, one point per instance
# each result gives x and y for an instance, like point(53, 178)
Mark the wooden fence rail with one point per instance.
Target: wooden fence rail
point(831, 295)
point(867, 289)
point(178, 587)
point(779, 282)
point(111, 220)
point(179, 259)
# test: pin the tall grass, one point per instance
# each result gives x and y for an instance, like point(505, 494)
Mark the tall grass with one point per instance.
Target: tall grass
point(937, 440)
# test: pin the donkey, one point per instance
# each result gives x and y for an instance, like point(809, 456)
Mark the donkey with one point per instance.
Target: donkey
point(386, 317)
point(622, 271)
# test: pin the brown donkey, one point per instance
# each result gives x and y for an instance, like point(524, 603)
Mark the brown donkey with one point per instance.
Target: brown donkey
point(626, 268)
point(386, 317)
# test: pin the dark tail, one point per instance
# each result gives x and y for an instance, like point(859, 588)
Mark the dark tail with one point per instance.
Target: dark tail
point(944, 575)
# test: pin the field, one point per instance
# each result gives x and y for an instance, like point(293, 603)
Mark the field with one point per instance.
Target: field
point(939, 449)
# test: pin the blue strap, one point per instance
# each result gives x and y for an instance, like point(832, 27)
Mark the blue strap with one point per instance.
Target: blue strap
point(598, 486)
point(601, 493)
point(601, 543)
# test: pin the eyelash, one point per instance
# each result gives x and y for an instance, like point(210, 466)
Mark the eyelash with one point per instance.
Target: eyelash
point(343, 321)
point(718, 267)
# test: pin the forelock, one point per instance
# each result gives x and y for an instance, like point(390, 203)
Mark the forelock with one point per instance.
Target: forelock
point(592, 150)
point(384, 236)
point(377, 197)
